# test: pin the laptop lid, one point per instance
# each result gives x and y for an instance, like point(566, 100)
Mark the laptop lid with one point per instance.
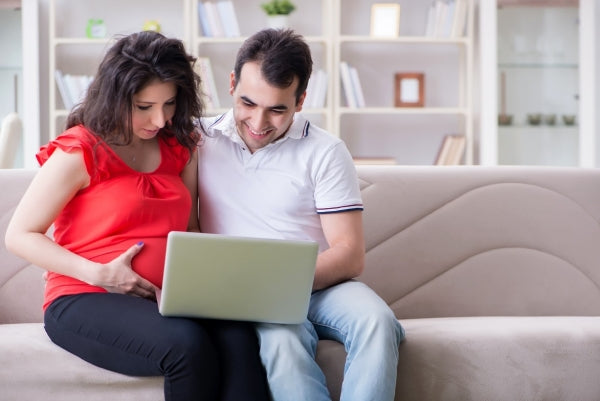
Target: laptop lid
point(237, 278)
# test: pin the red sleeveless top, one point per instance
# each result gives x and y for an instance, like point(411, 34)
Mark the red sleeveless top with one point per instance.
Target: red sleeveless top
point(119, 208)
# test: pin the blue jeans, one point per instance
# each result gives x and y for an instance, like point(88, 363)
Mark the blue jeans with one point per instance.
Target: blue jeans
point(352, 314)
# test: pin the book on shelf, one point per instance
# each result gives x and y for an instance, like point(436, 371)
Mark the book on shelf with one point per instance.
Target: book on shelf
point(228, 18)
point(374, 160)
point(62, 89)
point(351, 85)
point(357, 87)
point(72, 87)
point(451, 151)
point(208, 87)
point(447, 18)
point(218, 19)
point(214, 20)
point(203, 21)
point(316, 91)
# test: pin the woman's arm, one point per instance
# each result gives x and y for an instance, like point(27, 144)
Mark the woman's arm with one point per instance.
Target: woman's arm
point(190, 179)
point(55, 184)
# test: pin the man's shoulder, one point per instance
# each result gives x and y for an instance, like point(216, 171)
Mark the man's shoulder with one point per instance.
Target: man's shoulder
point(312, 133)
point(209, 123)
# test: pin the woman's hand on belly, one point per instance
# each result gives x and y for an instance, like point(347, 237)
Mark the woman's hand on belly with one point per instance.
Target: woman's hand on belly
point(118, 276)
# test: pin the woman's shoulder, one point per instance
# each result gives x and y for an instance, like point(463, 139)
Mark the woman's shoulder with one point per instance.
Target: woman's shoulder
point(76, 138)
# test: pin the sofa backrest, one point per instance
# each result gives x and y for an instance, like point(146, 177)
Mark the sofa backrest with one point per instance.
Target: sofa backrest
point(441, 241)
point(21, 284)
point(472, 240)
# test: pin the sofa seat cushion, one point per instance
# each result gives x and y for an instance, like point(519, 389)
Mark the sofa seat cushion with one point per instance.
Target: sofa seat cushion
point(457, 358)
point(34, 368)
point(500, 358)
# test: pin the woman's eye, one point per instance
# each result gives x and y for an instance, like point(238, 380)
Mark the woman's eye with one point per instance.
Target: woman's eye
point(143, 107)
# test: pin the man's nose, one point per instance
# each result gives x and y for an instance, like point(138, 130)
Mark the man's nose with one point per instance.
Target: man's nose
point(259, 119)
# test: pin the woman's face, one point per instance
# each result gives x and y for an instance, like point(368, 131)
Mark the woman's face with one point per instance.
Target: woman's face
point(153, 107)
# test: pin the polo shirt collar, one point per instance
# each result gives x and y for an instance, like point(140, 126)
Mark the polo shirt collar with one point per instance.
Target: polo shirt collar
point(225, 125)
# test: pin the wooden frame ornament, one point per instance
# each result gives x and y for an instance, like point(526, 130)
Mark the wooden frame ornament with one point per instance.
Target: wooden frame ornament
point(409, 88)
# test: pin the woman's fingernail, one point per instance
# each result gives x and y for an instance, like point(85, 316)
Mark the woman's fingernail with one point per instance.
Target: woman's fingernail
point(140, 243)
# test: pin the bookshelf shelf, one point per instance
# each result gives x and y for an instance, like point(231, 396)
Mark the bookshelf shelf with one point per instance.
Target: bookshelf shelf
point(404, 39)
point(418, 50)
point(337, 31)
point(538, 60)
point(80, 41)
point(405, 110)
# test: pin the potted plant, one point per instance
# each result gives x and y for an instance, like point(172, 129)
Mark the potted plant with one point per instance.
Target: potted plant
point(278, 12)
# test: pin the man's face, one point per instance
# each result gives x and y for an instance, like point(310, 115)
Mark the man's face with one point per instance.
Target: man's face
point(263, 113)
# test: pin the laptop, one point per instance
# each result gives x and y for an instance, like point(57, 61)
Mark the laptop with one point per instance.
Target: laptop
point(237, 278)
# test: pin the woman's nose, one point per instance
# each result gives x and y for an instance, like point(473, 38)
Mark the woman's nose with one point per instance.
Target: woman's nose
point(158, 118)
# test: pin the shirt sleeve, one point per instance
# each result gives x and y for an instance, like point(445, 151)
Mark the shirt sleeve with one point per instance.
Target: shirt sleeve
point(74, 139)
point(337, 189)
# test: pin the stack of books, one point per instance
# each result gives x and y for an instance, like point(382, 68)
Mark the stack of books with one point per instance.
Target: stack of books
point(452, 150)
point(447, 18)
point(218, 19)
point(316, 92)
point(208, 88)
point(72, 88)
point(351, 84)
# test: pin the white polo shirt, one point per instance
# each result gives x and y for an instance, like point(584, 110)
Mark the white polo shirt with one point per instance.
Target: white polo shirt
point(280, 190)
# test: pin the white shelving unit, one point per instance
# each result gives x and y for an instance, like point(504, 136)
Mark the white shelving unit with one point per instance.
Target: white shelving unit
point(72, 52)
point(353, 44)
point(529, 52)
point(336, 30)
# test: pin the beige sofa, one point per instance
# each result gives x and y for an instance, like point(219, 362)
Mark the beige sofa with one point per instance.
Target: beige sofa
point(493, 271)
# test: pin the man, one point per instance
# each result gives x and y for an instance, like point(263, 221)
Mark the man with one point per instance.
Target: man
point(265, 171)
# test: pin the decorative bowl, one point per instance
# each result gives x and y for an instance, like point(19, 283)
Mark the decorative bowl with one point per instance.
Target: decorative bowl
point(534, 119)
point(505, 119)
point(569, 119)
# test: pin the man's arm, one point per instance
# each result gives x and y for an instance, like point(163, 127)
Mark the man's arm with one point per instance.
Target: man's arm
point(345, 257)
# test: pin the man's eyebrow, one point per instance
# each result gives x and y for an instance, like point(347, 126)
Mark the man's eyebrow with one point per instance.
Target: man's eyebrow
point(246, 99)
point(276, 107)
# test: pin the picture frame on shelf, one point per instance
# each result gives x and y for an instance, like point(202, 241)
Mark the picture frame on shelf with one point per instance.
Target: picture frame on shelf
point(409, 89)
point(385, 20)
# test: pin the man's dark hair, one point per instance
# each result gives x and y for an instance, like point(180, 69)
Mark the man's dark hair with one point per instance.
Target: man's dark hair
point(282, 55)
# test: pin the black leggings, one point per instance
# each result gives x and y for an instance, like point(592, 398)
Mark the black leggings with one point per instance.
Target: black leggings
point(200, 359)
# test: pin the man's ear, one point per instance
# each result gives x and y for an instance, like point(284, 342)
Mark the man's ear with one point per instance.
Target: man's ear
point(232, 82)
point(300, 102)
